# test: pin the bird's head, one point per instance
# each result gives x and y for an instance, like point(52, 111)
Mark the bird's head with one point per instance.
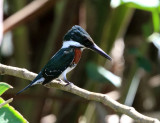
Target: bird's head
point(77, 37)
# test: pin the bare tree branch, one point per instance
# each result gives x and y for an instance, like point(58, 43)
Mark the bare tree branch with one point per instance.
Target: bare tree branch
point(103, 98)
point(30, 11)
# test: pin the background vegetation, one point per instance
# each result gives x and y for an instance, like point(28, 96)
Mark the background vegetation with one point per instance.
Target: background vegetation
point(126, 29)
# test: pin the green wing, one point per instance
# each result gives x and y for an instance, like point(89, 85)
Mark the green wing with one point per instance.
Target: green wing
point(57, 64)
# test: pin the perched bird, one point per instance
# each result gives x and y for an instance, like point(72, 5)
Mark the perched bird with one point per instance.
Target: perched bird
point(66, 59)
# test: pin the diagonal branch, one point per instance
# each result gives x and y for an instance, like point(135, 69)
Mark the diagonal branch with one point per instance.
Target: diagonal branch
point(6, 102)
point(103, 98)
point(30, 11)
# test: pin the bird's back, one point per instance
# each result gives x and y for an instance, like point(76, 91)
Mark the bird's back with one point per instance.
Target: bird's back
point(57, 64)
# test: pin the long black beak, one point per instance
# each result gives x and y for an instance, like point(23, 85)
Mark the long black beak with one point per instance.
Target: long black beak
point(100, 51)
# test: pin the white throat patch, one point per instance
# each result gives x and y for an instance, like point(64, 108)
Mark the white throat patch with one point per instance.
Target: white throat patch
point(67, 44)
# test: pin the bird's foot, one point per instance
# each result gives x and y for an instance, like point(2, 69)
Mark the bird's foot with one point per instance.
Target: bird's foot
point(60, 80)
point(67, 82)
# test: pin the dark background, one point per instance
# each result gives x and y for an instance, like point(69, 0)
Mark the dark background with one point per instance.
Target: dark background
point(121, 32)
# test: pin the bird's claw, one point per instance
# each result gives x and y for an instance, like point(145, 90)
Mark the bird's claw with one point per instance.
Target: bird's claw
point(60, 80)
point(66, 81)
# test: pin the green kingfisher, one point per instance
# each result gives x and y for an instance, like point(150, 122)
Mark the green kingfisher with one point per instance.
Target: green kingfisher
point(66, 59)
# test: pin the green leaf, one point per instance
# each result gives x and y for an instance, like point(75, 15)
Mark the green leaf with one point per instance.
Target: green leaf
point(100, 74)
point(92, 72)
point(147, 29)
point(147, 5)
point(115, 80)
point(140, 59)
point(4, 87)
point(144, 63)
point(2, 119)
point(155, 39)
point(156, 19)
point(134, 51)
point(9, 115)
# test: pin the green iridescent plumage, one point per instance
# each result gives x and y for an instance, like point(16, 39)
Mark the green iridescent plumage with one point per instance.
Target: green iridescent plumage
point(62, 62)
point(78, 34)
point(55, 66)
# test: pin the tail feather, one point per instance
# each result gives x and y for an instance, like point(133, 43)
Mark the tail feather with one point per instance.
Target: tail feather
point(37, 80)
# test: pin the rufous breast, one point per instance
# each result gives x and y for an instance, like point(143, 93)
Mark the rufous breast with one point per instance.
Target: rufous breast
point(77, 55)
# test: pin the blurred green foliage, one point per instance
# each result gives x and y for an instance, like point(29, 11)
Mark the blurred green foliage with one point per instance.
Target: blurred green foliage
point(140, 59)
point(7, 113)
point(36, 39)
point(101, 75)
point(4, 87)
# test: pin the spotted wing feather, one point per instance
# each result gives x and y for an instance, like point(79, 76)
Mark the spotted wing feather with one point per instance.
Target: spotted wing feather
point(57, 64)
point(53, 69)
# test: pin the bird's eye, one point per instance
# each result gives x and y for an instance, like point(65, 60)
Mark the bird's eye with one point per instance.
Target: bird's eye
point(87, 42)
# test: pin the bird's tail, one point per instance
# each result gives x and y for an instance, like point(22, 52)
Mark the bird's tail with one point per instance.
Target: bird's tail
point(25, 88)
point(37, 80)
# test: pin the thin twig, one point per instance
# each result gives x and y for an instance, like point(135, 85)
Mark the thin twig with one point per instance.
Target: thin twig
point(6, 102)
point(103, 98)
